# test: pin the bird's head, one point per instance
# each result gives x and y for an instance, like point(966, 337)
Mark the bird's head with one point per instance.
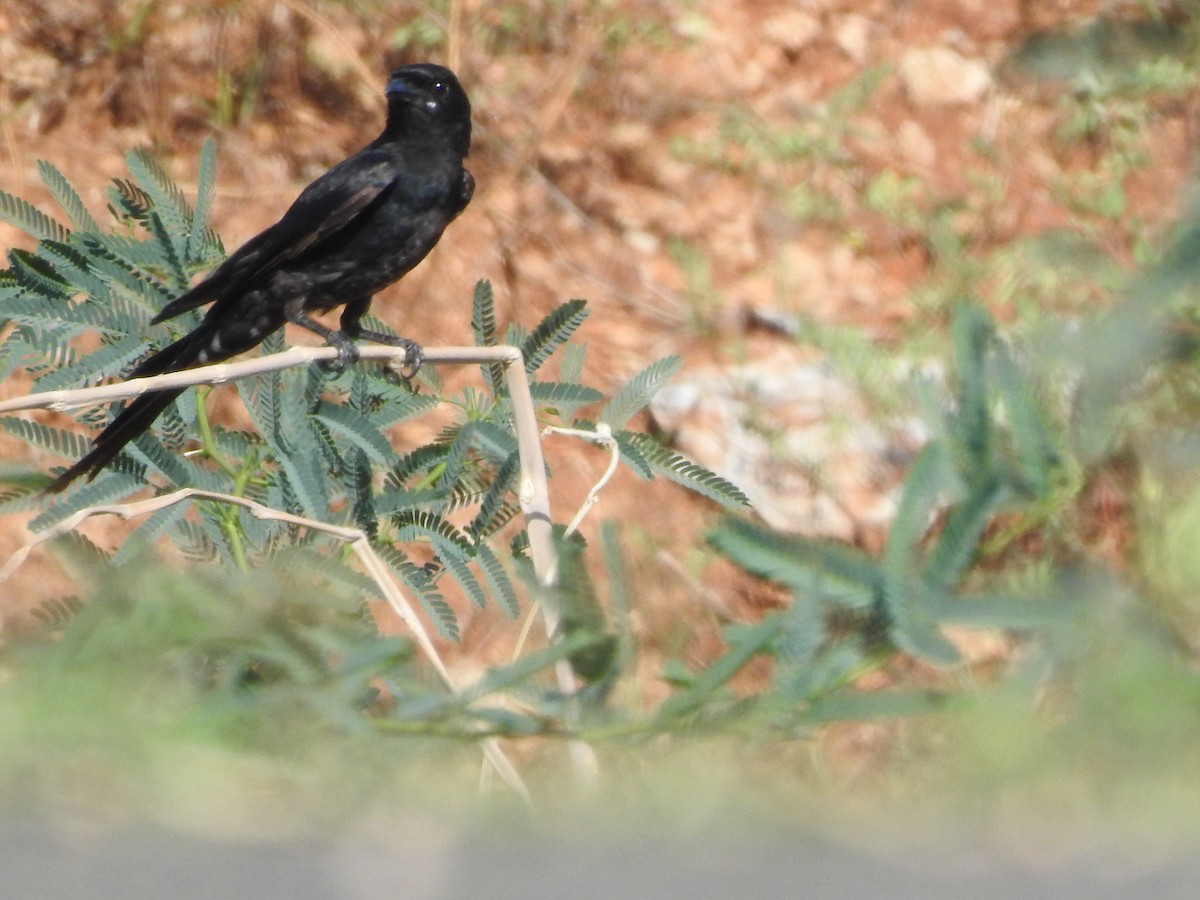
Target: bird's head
point(431, 93)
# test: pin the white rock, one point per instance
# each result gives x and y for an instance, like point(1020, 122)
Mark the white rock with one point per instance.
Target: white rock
point(791, 30)
point(938, 76)
point(797, 438)
point(851, 33)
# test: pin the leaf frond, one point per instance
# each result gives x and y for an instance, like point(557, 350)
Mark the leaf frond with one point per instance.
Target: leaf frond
point(639, 390)
point(552, 332)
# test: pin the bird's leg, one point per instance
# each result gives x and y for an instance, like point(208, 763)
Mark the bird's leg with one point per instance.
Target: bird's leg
point(352, 326)
point(347, 353)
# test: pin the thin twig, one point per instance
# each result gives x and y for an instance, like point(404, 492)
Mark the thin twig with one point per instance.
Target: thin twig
point(454, 35)
point(601, 437)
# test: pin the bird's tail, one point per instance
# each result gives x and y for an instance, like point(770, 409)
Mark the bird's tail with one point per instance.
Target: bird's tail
point(140, 414)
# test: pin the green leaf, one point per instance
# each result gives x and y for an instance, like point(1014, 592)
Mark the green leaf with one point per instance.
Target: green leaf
point(64, 443)
point(494, 509)
point(448, 555)
point(691, 475)
point(359, 481)
point(638, 392)
point(75, 268)
point(813, 567)
point(1000, 611)
point(745, 643)
point(170, 252)
point(483, 324)
point(178, 471)
point(456, 459)
point(483, 314)
point(906, 598)
point(156, 524)
point(959, 539)
point(110, 256)
point(356, 428)
point(558, 393)
point(914, 629)
point(1036, 454)
point(874, 705)
point(394, 500)
point(110, 360)
point(40, 313)
point(417, 524)
point(498, 581)
point(417, 462)
point(571, 368)
point(31, 343)
point(167, 201)
point(922, 490)
point(29, 218)
point(66, 197)
point(110, 485)
point(495, 442)
point(552, 332)
point(21, 492)
point(417, 580)
point(37, 275)
point(203, 245)
point(280, 409)
point(972, 423)
point(519, 672)
point(128, 201)
point(630, 452)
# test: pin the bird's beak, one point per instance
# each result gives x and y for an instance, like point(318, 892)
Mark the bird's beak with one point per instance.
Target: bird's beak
point(398, 86)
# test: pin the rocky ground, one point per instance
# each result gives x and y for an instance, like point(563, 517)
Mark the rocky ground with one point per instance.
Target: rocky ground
point(791, 195)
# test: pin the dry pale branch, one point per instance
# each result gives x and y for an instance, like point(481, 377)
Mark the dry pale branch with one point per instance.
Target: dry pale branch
point(601, 437)
point(533, 490)
point(359, 543)
point(533, 493)
point(220, 373)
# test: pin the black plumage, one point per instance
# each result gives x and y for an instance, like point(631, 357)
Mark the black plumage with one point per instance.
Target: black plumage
point(353, 231)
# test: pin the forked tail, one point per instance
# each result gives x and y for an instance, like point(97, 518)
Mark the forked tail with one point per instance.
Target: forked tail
point(140, 413)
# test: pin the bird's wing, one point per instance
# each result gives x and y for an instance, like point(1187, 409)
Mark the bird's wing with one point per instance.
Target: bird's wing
point(326, 208)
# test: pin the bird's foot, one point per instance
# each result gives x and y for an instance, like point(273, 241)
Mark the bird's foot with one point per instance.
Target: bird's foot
point(347, 353)
point(414, 355)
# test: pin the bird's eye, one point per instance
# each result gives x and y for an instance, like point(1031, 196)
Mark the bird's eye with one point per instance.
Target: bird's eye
point(440, 87)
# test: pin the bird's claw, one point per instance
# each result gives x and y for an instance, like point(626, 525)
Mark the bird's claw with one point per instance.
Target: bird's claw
point(347, 355)
point(414, 355)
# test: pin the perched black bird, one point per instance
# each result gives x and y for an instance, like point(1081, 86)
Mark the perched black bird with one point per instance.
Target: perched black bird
point(353, 231)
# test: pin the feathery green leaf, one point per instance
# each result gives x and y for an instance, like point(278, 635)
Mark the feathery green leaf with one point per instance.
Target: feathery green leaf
point(356, 428)
point(498, 581)
point(29, 218)
point(906, 598)
point(417, 580)
point(551, 333)
point(822, 568)
point(108, 361)
point(681, 470)
point(416, 524)
point(66, 197)
point(559, 393)
point(638, 392)
point(64, 443)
